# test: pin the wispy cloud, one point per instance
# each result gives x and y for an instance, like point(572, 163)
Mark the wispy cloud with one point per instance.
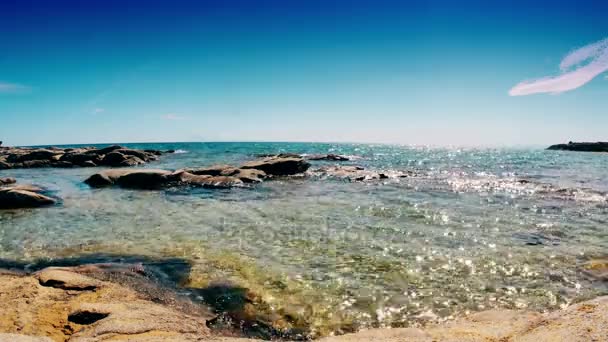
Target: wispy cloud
point(577, 68)
point(98, 110)
point(172, 116)
point(13, 88)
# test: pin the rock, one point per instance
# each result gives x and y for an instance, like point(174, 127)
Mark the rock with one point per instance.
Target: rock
point(214, 170)
point(279, 166)
point(35, 163)
point(155, 152)
point(113, 159)
point(18, 157)
point(118, 159)
point(138, 178)
point(88, 163)
point(246, 175)
point(128, 152)
point(41, 154)
point(137, 321)
point(26, 187)
point(62, 279)
point(333, 157)
point(581, 146)
point(8, 180)
point(144, 179)
point(23, 338)
point(108, 149)
point(14, 198)
point(80, 158)
point(82, 309)
point(596, 270)
point(208, 181)
point(131, 161)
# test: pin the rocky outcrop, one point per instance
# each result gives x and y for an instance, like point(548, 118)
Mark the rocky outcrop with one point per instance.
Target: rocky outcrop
point(581, 147)
point(130, 178)
point(279, 166)
point(16, 197)
point(61, 304)
point(158, 179)
point(113, 156)
point(245, 175)
point(227, 176)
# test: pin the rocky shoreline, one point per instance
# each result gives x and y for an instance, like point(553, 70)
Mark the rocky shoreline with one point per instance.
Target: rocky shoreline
point(107, 301)
point(14, 196)
point(111, 156)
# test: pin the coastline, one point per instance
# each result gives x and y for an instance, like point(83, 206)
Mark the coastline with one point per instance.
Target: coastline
point(66, 304)
point(90, 299)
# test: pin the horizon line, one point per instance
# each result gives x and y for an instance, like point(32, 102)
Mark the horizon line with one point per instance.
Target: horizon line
point(295, 142)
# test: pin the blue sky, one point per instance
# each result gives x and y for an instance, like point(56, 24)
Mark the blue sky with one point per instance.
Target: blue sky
point(411, 72)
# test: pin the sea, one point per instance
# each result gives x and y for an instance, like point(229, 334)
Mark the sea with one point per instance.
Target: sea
point(470, 229)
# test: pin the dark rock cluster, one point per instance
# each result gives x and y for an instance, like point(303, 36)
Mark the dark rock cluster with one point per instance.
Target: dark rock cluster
point(581, 147)
point(113, 156)
point(217, 176)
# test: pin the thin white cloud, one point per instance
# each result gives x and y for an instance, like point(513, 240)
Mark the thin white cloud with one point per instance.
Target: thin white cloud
point(12, 88)
point(98, 110)
point(172, 116)
point(578, 68)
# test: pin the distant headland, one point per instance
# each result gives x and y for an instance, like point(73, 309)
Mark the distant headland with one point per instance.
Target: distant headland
point(581, 146)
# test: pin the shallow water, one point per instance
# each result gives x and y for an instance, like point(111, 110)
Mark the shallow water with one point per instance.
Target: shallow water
point(464, 234)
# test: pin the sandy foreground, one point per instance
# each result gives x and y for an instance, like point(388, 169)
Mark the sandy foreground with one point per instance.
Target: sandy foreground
point(61, 304)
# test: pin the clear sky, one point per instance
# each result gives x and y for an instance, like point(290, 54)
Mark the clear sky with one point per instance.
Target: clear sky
point(412, 72)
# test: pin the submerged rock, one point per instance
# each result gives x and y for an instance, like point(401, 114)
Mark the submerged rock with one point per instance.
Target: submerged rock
point(596, 270)
point(581, 146)
point(279, 166)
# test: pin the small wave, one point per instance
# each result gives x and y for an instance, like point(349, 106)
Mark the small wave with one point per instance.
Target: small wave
point(180, 151)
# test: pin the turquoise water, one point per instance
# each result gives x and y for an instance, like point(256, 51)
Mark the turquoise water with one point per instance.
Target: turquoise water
point(463, 234)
